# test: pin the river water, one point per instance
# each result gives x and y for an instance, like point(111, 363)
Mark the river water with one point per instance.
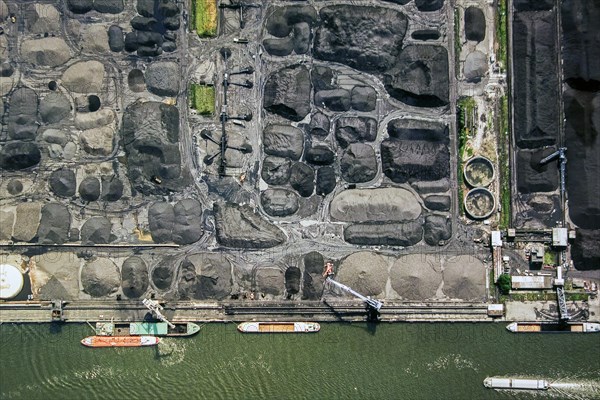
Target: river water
point(343, 361)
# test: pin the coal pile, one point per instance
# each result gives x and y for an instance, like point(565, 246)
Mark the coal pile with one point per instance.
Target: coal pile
point(416, 151)
point(63, 183)
point(319, 124)
point(292, 280)
point(22, 116)
point(54, 224)
point(279, 202)
point(102, 6)
point(581, 40)
point(240, 226)
point(437, 229)
point(276, 170)
point(116, 40)
point(438, 202)
point(54, 108)
point(326, 181)
point(162, 78)
point(429, 5)
point(586, 249)
point(420, 76)
point(205, 276)
point(181, 223)
point(535, 68)
point(391, 234)
point(533, 177)
point(425, 34)
point(162, 275)
point(319, 155)
point(358, 163)
point(334, 100)
point(112, 188)
point(302, 177)
point(100, 277)
point(134, 277)
point(366, 38)
point(474, 24)
point(151, 134)
point(291, 27)
point(313, 279)
point(14, 187)
point(287, 93)
point(581, 102)
point(96, 230)
point(355, 130)
point(136, 81)
point(283, 141)
point(269, 279)
point(19, 155)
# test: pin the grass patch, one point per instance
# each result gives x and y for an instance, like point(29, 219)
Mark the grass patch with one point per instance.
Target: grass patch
point(501, 46)
point(528, 296)
point(457, 42)
point(577, 296)
point(503, 163)
point(549, 257)
point(202, 99)
point(465, 109)
point(204, 17)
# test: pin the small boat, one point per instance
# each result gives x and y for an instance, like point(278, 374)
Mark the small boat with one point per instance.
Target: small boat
point(542, 327)
point(120, 341)
point(146, 328)
point(514, 383)
point(278, 327)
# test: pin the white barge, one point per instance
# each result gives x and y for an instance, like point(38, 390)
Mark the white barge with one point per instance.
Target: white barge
point(542, 327)
point(514, 383)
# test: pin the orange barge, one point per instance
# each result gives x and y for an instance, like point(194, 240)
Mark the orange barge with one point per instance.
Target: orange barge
point(120, 341)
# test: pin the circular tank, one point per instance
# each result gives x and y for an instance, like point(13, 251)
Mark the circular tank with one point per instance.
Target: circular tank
point(479, 171)
point(480, 203)
point(11, 281)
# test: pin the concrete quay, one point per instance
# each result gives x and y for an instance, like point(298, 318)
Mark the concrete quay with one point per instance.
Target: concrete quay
point(326, 311)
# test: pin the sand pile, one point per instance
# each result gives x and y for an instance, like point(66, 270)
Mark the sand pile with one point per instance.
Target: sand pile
point(464, 278)
point(365, 272)
point(382, 204)
point(100, 277)
point(416, 276)
point(48, 52)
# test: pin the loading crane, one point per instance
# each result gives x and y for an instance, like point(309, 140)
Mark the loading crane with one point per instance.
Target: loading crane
point(559, 281)
point(155, 308)
point(562, 156)
point(371, 304)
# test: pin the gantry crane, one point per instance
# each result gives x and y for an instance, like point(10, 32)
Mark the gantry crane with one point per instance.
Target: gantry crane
point(155, 307)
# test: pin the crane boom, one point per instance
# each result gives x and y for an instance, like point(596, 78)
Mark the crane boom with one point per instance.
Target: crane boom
point(375, 304)
point(155, 307)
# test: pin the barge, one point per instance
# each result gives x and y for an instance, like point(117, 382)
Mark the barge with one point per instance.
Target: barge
point(146, 329)
point(120, 341)
point(543, 327)
point(514, 383)
point(279, 327)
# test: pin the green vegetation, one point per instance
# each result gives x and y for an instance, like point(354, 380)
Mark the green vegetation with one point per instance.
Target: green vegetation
point(503, 163)
point(549, 257)
point(204, 17)
point(502, 34)
point(465, 122)
point(577, 297)
point(202, 99)
point(457, 42)
point(504, 283)
point(529, 296)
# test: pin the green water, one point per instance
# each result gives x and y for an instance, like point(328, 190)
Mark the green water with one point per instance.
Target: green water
point(343, 361)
